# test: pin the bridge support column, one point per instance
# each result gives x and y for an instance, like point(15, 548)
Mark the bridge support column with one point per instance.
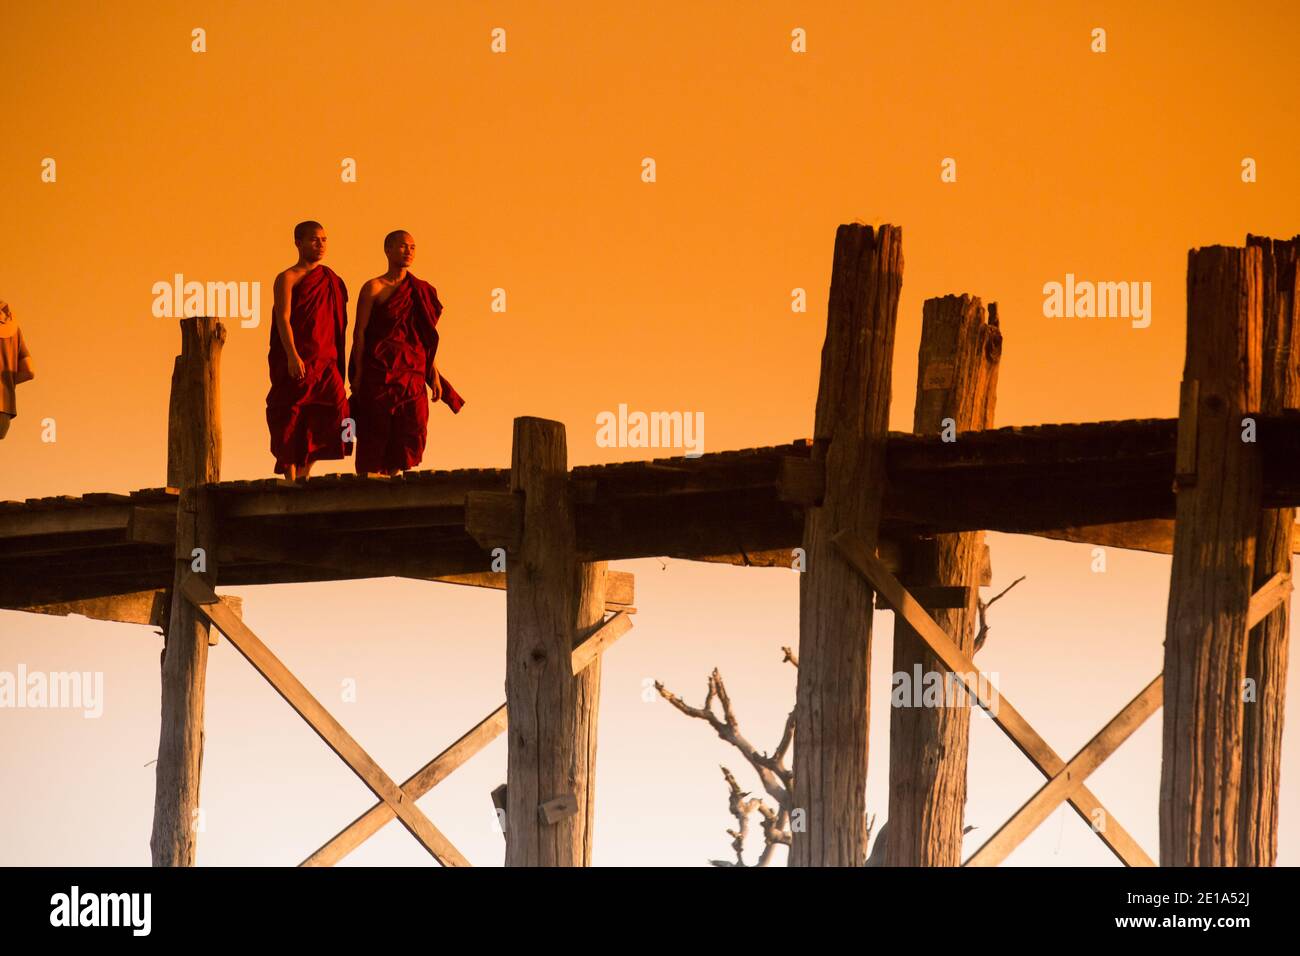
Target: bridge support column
point(194, 442)
point(553, 602)
point(835, 602)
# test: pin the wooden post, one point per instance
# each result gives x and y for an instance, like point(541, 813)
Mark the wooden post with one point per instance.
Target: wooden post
point(835, 603)
point(194, 432)
point(957, 381)
point(1218, 484)
point(1266, 655)
point(552, 603)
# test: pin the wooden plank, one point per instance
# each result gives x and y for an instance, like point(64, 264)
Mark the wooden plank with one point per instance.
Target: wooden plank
point(494, 519)
point(448, 491)
point(620, 586)
point(195, 431)
point(153, 524)
point(1269, 598)
point(32, 522)
point(586, 653)
point(802, 481)
point(1026, 739)
point(935, 597)
point(835, 612)
point(959, 357)
point(138, 607)
point(1155, 536)
point(307, 707)
point(1037, 809)
point(1211, 574)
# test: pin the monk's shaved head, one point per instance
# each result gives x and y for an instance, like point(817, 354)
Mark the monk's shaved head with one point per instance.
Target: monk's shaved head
point(305, 229)
point(395, 236)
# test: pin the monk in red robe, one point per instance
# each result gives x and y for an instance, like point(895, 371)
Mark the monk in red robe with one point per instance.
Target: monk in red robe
point(307, 405)
point(393, 351)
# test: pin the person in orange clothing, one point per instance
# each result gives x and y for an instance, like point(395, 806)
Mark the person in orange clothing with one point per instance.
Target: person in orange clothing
point(15, 366)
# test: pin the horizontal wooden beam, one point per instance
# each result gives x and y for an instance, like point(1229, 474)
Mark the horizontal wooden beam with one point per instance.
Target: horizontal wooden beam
point(139, 607)
point(494, 519)
point(63, 520)
point(1107, 483)
point(934, 596)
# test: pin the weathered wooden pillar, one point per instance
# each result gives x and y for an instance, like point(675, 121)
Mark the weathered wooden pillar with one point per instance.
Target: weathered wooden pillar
point(552, 603)
point(1266, 653)
point(194, 431)
point(1218, 484)
point(957, 381)
point(831, 709)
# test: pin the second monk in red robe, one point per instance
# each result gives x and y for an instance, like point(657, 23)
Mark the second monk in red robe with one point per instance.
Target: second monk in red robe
point(393, 352)
point(306, 405)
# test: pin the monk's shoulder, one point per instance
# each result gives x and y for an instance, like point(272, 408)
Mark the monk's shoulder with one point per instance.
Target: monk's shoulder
point(372, 287)
point(290, 276)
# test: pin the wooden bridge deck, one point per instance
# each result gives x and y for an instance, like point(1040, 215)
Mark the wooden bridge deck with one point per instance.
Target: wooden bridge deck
point(734, 506)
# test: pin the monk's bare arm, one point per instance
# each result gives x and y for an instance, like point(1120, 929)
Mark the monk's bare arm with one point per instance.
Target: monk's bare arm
point(364, 302)
point(284, 284)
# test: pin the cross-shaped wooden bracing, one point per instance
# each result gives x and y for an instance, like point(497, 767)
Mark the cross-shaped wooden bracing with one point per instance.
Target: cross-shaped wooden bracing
point(395, 801)
point(1012, 723)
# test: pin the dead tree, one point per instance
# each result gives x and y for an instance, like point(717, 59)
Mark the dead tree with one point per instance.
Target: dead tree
point(776, 779)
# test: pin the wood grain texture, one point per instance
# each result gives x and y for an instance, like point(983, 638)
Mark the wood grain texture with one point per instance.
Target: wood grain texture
point(1269, 642)
point(1211, 579)
point(194, 435)
point(835, 604)
point(928, 746)
point(551, 598)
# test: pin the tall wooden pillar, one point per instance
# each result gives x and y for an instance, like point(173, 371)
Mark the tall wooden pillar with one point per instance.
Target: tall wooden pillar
point(835, 602)
point(957, 380)
point(552, 602)
point(1218, 484)
point(1266, 653)
point(194, 443)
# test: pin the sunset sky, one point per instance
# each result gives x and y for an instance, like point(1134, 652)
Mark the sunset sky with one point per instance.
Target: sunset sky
point(522, 171)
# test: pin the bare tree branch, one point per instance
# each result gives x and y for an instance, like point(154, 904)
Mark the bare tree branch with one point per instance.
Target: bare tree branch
point(982, 634)
point(777, 779)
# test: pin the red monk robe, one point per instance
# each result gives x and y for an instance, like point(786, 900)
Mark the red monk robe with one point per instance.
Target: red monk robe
point(391, 409)
point(306, 416)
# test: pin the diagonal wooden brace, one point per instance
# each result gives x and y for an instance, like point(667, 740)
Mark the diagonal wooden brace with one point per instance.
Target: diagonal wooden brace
point(441, 766)
point(1012, 723)
point(1051, 794)
point(330, 730)
point(1268, 599)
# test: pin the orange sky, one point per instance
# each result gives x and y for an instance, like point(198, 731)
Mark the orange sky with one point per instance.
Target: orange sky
point(521, 171)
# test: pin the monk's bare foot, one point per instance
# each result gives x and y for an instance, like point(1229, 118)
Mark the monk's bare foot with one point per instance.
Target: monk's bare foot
point(290, 473)
point(305, 471)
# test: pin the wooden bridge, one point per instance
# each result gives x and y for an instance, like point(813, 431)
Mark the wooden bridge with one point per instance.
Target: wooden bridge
point(873, 518)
